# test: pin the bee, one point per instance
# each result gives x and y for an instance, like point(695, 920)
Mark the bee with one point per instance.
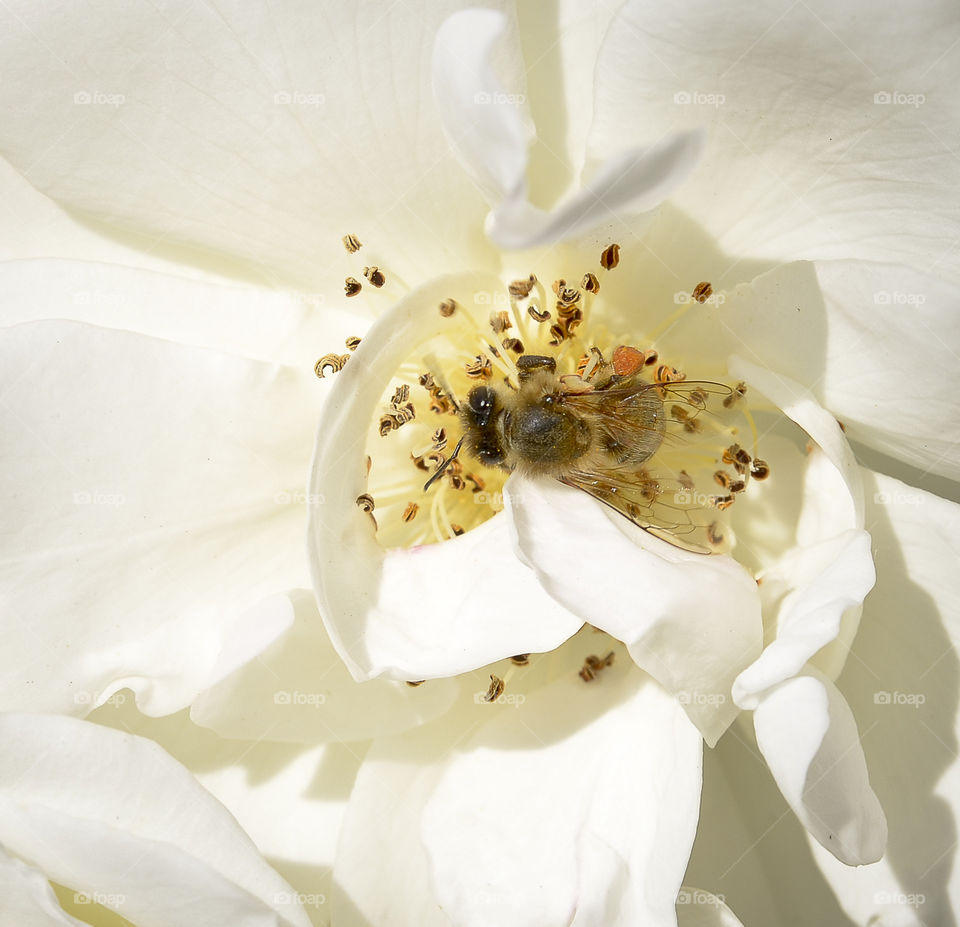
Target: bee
point(595, 436)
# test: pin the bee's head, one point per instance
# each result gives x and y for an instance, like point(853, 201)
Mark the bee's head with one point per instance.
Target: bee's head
point(481, 404)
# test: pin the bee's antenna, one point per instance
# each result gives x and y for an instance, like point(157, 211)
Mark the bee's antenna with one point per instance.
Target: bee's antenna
point(444, 465)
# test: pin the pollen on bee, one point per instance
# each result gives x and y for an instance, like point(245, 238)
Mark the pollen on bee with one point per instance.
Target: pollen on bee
point(495, 689)
point(447, 308)
point(352, 243)
point(521, 289)
point(593, 665)
point(334, 362)
point(410, 512)
point(537, 314)
point(375, 276)
point(610, 257)
point(628, 360)
point(702, 292)
point(352, 286)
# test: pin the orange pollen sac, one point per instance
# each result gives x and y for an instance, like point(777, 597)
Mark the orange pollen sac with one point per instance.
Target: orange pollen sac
point(627, 360)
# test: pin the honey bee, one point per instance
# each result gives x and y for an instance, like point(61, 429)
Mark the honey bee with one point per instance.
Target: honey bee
point(596, 436)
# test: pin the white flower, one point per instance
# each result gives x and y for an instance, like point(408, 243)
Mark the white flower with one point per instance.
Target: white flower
point(206, 139)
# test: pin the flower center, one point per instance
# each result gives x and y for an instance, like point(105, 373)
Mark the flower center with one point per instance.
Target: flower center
point(529, 379)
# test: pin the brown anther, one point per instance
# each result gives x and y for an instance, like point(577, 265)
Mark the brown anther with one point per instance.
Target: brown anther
point(610, 257)
point(590, 283)
point(521, 659)
point(650, 358)
point(593, 665)
point(374, 275)
point(667, 374)
point(352, 286)
point(478, 484)
point(447, 308)
point(401, 394)
point(456, 529)
point(369, 464)
point(557, 334)
point(760, 469)
point(366, 502)
point(426, 380)
point(737, 486)
point(714, 534)
point(627, 360)
point(679, 413)
point(685, 480)
point(730, 454)
point(410, 512)
point(520, 289)
point(513, 344)
point(738, 393)
point(388, 423)
point(419, 462)
point(843, 427)
point(742, 457)
point(698, 397)
point(567, 296)
point(721, 502)
point(457, 482)
point(334, 362)
point(480, 368)
point(440, 439)
point(435, 460)
point(500, 321)
point(353, 342)
point(352, 243)
point(495, 690)
point(692, 426)
point(414, 683)
point(702, 291)
point(721, 478)
point(537, 314)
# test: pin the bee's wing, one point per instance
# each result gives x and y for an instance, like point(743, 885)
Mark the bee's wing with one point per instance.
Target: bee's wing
point(683, 526)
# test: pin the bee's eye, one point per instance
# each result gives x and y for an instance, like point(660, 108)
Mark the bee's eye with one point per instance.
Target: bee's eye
point(480, 404)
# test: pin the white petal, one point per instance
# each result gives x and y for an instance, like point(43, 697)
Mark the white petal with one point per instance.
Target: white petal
point(26, 898)
point(487, 127)
point(809, 738)
point(691, 621)
point(426, 611)
point(112, 815)
point(290, 327)
point(697, 908)
point(802, 161)
point(247, 137)
point(143, 484)
point(901, 682)
point(298, 691)
point(578, 807)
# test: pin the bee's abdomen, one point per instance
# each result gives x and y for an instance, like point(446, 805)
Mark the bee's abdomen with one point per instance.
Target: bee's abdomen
point(541, 435)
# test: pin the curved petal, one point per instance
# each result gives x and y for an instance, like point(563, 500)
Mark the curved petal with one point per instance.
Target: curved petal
point(426, 611)
point(132, 468)
point(298, 691)
point(26, 898)
point(809, 738)
point(289, 327)
point(902, 682)
point(691, 621)
point(848, 152)
point(822, 581)
point(112, 815)
point(500, 852)
point(488, 129)
point(224, 137)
